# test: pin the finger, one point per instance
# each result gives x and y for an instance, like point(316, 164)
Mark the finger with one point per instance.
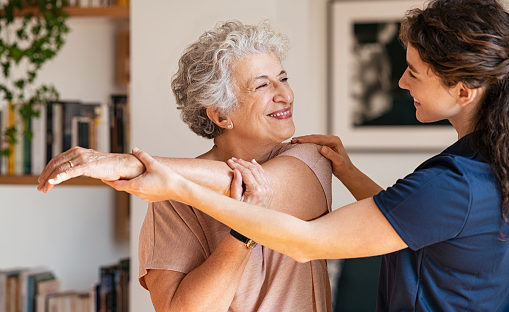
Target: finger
point(319, 139)
point(247, 177)
point(144, 157)
point(58, 161)
point(65, 172)
point(231, 163)
point(236, 185)
point(50, 167)
point(330, 154)
point(259, 173)
point(242, 162)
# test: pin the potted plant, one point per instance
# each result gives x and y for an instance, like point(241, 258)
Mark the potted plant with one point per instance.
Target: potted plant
point(31, 33)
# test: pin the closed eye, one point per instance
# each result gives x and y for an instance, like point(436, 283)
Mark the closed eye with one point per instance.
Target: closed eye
point(261, 86)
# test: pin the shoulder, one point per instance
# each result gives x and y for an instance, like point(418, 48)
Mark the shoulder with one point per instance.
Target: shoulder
point(307, 152)
point(436, 196)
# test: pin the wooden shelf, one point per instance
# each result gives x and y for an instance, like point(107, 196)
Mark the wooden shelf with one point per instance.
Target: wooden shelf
point(32, 180)
point(106, 11)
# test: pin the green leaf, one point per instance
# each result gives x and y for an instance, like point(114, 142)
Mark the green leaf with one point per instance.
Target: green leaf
point(20, 84)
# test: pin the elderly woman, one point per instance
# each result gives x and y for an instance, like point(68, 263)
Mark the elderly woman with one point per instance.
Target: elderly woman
point(230, 87)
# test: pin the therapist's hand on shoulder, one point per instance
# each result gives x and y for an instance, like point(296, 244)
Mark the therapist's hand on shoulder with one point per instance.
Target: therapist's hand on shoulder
point(332, 149)
point(258, 189)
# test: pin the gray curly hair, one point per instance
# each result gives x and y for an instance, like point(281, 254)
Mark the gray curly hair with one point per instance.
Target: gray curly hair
point(204, 76)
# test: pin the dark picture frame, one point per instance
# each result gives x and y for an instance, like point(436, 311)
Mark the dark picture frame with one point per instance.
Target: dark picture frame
point(369, 110)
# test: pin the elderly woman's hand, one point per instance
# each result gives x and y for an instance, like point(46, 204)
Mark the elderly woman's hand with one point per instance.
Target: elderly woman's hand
point(332, 149)
point(258, 189)
point(157, 183)
point(79, 161)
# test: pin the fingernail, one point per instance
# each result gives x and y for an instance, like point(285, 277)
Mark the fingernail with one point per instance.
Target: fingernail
point(233, 158)
point(135, 149)
point(254, 161)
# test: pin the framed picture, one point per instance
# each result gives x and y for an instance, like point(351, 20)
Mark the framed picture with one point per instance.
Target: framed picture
point(369, 110)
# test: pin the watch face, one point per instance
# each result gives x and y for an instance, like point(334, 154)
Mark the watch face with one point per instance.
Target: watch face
point(251, 244)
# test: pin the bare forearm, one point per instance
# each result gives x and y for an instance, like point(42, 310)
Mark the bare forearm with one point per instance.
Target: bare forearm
point(215, 175)
point(212, 285)
point(212, 174)
point(360, 185)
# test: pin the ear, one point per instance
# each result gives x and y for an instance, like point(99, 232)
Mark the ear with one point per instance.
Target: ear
point(217, 118)
point(466, 95)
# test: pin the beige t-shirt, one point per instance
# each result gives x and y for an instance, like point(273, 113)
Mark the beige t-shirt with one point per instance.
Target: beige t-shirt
point(178, 237)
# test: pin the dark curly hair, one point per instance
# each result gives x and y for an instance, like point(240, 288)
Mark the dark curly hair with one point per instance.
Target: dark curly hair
point(468, 41)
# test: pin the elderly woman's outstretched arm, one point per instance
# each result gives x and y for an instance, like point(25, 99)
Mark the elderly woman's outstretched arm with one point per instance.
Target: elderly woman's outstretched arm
point(298, 190)
point(79, 161)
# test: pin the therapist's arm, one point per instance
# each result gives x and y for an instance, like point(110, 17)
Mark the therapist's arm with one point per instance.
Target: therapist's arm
point(356, 230)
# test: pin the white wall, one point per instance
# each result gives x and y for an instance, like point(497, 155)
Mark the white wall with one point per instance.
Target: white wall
point(70, 230)
point(160, 30)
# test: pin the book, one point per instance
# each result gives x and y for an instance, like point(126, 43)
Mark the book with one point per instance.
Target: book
point(119, 117)
point(11, 122)
point(23, 277)
point(44, 290)
point(1, 143)
point(27, 148)
point(38, 155)
point(3, 291)
point(71, 109)
point(33, 281)
point(57, 146)
point(53, 130)
point(18, 147)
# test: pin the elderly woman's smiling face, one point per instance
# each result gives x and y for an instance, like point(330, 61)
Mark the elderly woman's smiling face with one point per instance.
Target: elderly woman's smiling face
point(265, 100)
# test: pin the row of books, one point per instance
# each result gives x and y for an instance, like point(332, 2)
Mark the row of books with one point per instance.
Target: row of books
point(60, 126)
point(97, 3)
point(38, 290)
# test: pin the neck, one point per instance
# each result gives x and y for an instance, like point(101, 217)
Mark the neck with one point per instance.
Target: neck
point(462, 127)
point(226, 147)
point(464, 122)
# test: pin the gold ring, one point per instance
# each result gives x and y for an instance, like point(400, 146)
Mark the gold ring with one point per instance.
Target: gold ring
point(70, 163)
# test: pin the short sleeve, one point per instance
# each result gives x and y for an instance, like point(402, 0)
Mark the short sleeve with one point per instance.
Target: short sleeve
point(321, 166)
point(171, 238)
point(428, 206)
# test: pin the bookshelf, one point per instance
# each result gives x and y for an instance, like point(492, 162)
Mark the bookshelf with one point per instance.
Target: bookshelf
point(75, 230)
point(114, 11)
point(32, 180)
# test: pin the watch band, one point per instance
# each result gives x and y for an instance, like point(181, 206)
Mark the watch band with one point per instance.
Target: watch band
point(249, 243)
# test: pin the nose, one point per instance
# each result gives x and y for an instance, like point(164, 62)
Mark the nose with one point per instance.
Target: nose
point(402, 81)
point(283, 94)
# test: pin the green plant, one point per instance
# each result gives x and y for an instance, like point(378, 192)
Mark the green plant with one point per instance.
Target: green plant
point(31, 33)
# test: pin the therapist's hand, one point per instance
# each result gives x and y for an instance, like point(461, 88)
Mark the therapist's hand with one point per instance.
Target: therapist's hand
point(332, 149)
point(258, 189)
point(157, 183)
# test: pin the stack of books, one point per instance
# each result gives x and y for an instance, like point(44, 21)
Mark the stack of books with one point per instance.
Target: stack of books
point(38, 290)
point(60, 126)
point(97, 3)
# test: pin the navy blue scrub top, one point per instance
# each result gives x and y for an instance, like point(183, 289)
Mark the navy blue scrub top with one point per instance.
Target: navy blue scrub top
point(448, 213)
